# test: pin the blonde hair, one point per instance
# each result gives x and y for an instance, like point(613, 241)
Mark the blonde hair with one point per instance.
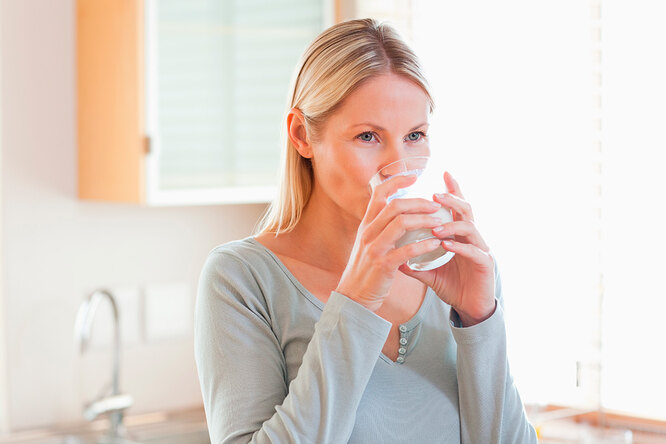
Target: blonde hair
point(332, 67)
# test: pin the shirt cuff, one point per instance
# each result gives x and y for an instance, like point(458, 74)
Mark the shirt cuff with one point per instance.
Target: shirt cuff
point(493, 327)
point(343, 307)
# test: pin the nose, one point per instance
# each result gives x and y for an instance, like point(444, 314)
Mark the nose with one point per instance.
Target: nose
point(395, 150)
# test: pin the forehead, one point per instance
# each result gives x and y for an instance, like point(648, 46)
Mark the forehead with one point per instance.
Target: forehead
point(389, 100)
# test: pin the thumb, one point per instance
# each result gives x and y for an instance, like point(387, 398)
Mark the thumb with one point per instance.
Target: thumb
point(427, 277)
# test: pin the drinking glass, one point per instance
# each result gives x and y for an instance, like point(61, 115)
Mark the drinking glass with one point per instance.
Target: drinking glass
point(428, 182)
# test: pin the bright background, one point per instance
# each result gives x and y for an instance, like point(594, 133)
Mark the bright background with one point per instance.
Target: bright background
point(551, 114)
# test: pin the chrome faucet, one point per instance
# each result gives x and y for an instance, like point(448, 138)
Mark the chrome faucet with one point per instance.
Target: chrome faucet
point(116, 403)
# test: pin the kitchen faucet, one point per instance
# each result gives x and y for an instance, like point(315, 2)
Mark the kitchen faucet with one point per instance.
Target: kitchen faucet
point(116, 403)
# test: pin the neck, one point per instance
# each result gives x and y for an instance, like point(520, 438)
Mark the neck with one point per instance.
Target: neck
point(326, 233)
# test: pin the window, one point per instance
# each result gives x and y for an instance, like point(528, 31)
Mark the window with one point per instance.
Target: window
point(633, 132)
point(551, 115)
point(221, 75)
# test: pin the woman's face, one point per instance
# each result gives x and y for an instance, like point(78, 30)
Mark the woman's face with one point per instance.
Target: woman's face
point(384, 120)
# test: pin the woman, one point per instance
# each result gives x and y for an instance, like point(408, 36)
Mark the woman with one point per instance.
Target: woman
point(314, 330)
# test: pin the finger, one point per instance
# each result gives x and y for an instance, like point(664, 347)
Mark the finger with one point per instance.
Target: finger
point(455, 203)
point(470, 252)
point(402, 207)
point(462, 229)
point(395, 258)
point(427, 276)
point(381, 193)
point(403, 223)
point(452, 185)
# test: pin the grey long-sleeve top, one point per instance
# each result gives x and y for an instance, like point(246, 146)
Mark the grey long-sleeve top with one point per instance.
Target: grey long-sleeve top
point(276, 365)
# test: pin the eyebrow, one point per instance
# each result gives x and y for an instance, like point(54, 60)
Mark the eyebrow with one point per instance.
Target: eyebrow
point(377, 127)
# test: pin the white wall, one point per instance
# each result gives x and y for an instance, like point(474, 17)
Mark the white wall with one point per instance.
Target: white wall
point(4, 426)
point(56, 249)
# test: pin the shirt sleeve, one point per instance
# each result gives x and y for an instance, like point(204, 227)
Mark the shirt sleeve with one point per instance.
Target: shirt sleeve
point(242, 369)
point(491, 410)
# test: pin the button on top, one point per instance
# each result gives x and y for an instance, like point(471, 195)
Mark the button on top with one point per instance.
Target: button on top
point(402, 328)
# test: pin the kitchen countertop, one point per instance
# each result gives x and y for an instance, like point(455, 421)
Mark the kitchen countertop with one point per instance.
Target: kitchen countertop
point(188, 426)
point(569, 431)
point(569, 425)
point(168, 427)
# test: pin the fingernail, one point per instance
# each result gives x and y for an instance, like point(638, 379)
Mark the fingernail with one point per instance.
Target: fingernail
point(435, 205)
point(439, 229)
point(440, 195)
point(448, 243)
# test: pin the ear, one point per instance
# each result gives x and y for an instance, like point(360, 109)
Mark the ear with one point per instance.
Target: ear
point(298, 134)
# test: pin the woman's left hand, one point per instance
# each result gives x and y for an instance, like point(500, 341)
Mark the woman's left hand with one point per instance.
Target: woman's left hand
point(467, 281)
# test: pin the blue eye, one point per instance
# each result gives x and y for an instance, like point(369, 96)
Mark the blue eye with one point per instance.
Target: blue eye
point(416, 135)
point(366, 136)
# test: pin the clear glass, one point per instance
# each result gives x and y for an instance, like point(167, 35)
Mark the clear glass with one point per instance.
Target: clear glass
point(429, 181)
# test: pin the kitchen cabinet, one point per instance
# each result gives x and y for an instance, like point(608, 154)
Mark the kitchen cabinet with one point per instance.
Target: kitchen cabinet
point(180, 102)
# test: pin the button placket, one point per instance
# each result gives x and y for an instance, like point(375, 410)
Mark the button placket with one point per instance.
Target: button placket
point(403, 344)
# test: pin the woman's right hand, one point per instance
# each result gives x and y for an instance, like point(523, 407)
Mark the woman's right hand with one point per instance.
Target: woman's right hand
point(374, 259)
